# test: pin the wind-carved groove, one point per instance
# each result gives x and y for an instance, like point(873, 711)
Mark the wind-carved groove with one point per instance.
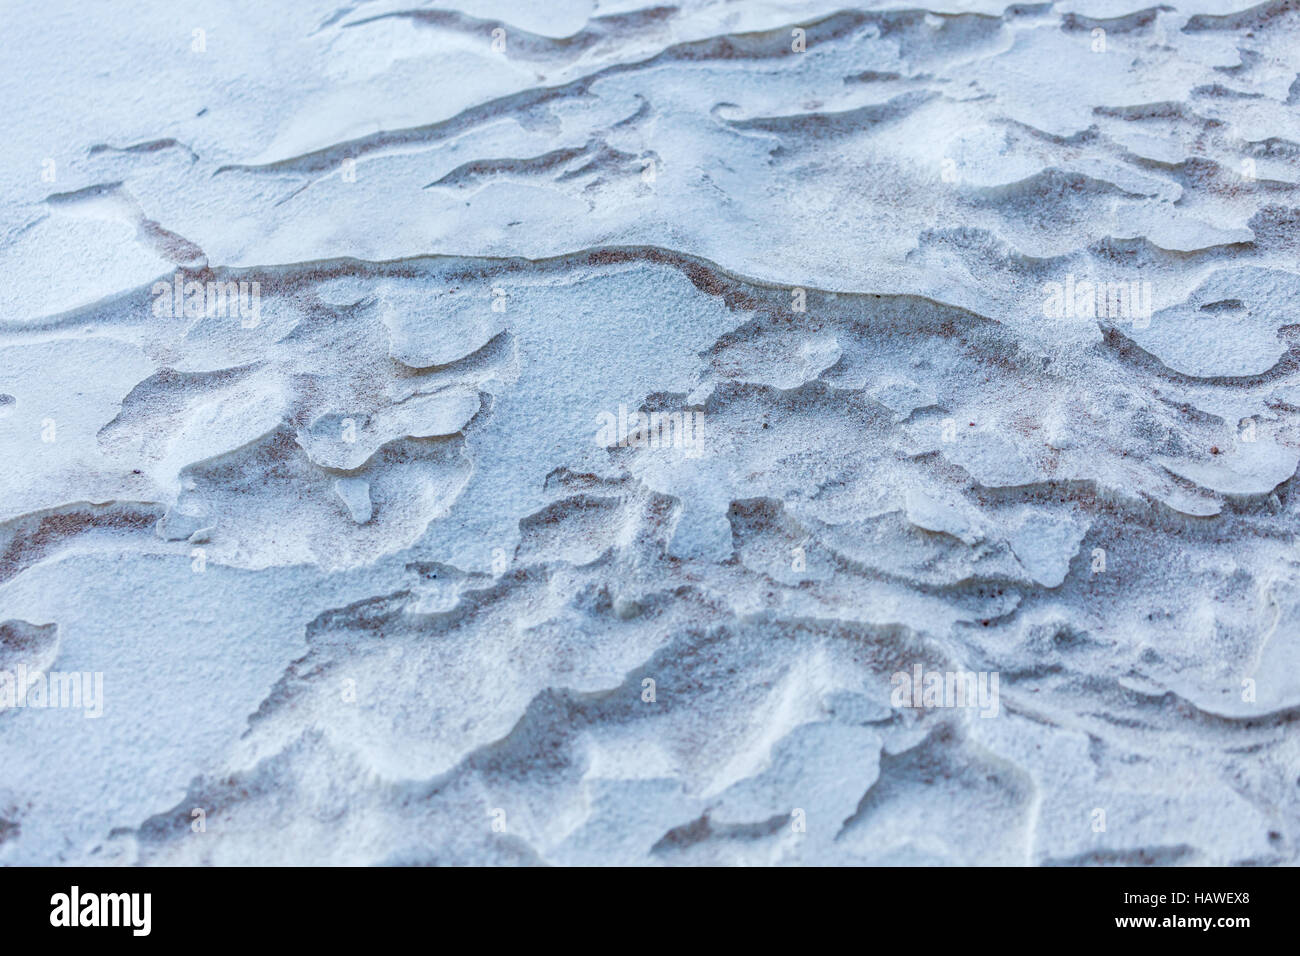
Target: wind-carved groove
point(371, 525)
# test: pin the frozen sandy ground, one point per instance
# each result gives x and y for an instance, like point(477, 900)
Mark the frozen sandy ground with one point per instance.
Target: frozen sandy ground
point(366, 580)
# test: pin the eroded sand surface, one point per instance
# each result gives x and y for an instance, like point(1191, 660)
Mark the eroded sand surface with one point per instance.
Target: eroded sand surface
point(364, 586)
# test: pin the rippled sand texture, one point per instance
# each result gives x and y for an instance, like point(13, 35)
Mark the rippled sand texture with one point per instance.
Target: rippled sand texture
point(363, 584)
